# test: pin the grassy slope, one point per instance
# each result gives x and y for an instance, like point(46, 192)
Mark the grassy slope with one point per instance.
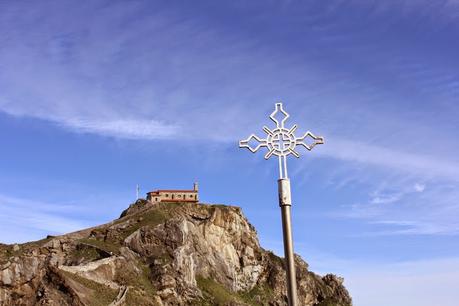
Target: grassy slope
point(216, 294)
point(101, 295)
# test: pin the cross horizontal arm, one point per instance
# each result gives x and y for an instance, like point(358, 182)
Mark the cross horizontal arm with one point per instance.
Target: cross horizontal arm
point(317, 140)
point(246, 143)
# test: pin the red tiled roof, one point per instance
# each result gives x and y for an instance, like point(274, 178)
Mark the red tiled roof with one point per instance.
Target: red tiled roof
point(163, 190)
point(177, 200)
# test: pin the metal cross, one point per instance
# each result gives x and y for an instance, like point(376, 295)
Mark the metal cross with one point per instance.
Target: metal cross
point(282, 142)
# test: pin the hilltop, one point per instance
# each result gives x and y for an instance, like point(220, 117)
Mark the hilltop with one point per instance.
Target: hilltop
point(159, 254)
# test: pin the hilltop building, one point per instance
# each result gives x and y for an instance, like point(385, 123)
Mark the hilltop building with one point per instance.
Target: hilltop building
point(174, 195)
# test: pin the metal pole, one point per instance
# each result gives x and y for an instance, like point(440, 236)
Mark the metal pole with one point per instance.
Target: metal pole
point(282, 142)
point(285, 203)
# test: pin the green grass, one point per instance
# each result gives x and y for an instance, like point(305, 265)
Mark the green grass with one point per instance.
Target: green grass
point(150, 218)
point(101, 295)
point(141, 290)
point(141, 281)
point(222, 206)
point(6, 250)
point(84, 253)
point(259, 295)
point(107, 246)
point(329, 302)
point(135, 297)
point(216, 294)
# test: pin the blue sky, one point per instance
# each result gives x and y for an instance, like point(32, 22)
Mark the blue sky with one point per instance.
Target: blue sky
point(99, 96)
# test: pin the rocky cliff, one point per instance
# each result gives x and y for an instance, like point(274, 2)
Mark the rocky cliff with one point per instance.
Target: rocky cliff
point(159, 254)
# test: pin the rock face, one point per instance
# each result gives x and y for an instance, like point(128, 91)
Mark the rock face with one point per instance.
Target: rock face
point(159, 254)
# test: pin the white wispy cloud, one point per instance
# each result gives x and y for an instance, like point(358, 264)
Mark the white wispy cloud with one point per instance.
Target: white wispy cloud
point(27, 219)
point(103, 78)
point(400, 227)
point(422, 165)
point(440, 11)
point(123, 128)
point(421, 282)
point(419, 187)
point(385, 199)
point(408, 211)
point(411, 283)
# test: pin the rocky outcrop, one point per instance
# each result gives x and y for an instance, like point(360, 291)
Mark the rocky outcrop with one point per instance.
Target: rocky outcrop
point(161, 254)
